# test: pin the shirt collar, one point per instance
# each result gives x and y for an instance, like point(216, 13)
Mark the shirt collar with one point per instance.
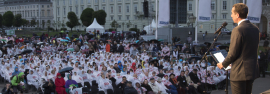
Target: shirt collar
point(242, 21)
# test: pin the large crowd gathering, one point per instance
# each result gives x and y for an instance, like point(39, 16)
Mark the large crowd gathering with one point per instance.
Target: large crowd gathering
point(110, 65)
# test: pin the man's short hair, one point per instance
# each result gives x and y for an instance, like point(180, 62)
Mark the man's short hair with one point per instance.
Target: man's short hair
point(241, 9)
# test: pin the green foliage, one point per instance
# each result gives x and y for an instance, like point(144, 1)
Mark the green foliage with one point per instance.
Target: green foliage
point(24, 22)
point(33, 22)
point(73, 20)
point(114, 24)
point(8, 19)
point(111, 29)
point(134, 29)
point(1, 20)
point(100, 15)
point(87, 16)
point(63, 29)
point(17, 21)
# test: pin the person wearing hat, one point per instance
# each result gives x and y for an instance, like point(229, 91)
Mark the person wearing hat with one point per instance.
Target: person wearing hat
point(156, 89)
point(194, 77)
point(17, 83)
point(129, 89)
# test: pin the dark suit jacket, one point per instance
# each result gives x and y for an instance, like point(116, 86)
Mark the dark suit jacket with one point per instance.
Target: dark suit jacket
point(182, 81)
point(194, 77)
point(243, 52)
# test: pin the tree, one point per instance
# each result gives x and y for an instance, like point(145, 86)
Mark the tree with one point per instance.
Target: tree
point(49, 22)
point(43, 23)
point(73, 20)
point(27, 23)
point(17, 21)
point(87, 16)
point(8, 19)
point(33, 22)
point(1, 20)
point(100, 15)
point(114, 24)
point(24, 22)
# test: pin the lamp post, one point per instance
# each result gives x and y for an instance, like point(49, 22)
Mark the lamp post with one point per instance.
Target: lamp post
point(192, 19)
point(116, 26)
point(48, 25)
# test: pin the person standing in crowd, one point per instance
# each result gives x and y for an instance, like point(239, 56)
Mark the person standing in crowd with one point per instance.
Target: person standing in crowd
point(262, 62)
point(6, 90)
point(266, 44)
point(108, 47)
point(60, 84)
point(121, 48)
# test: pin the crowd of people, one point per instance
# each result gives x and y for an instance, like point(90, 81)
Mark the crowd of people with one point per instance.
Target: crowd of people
point(111, 66)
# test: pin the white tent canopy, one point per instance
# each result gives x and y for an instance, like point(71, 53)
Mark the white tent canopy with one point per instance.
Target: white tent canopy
point(150, 28)
point(94, 27)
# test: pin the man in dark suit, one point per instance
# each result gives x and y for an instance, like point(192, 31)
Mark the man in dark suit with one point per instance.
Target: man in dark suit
point(183, 84)
point(242, 52)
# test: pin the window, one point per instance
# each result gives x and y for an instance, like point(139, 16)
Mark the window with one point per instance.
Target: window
point(42, 12)
point(70, 9)
point(58, 2)
point(48, 13)
point(119, 9)
point(119, 17)
point(103, 1)
point(34, 13)
point(104, 8)
point(58, 11)
point(82, 2)
point(135, 17)
point(37, 13)
point(34, 6)
point(96, 8)
point(48, 6)
point(111, 9)
point(224, 16)
point(76, 2)
point(119, 26)
point(112, 18)
point(89, 1)
point(152, 7)
point(135, 8)
point(213, 16)
point(127, 26)
point(88, 6)
point(64, 11)
point(213, 3)
point(127, 17)
point(96, 1)
point(82, 8)
point(190, 7)
point(76, 10)
point(64, 2)
point(135, 26)
point(111, 0)
point(41, 6)
point(224, 5)
point(31, 14)
point(127, 8)
point(70, 2)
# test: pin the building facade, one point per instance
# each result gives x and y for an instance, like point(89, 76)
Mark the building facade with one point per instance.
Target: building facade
point(127, 13)
point(38, 10)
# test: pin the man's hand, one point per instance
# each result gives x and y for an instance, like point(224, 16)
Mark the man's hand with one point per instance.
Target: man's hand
point(198, 83)
point(220, 65)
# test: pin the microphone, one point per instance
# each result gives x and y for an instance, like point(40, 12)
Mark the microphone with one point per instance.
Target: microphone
point(223, 25)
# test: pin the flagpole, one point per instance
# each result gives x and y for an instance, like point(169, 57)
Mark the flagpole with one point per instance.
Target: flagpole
point(196, 23)
point(156, 17)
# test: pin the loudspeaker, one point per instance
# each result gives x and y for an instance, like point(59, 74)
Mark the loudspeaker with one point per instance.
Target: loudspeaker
point(145, 9)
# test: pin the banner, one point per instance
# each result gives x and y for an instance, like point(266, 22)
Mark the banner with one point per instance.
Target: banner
point(164, 13)
point(204, 11)
point(10, 32)
point(254, 10)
